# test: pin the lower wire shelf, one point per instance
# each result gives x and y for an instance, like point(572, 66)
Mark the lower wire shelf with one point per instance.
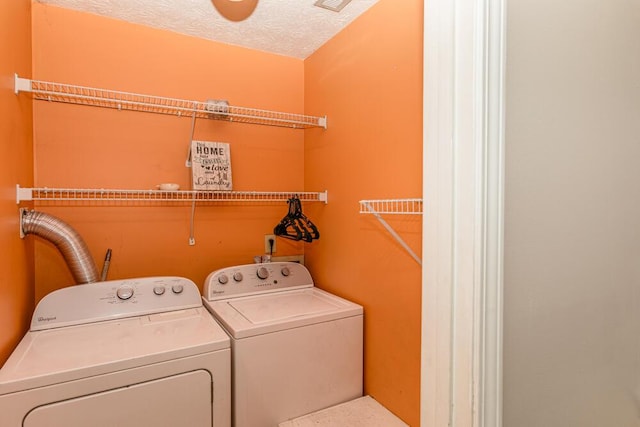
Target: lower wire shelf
point(125, 195)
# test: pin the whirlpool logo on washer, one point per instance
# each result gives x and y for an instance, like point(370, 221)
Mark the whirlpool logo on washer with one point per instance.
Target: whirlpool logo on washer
point(46, 319)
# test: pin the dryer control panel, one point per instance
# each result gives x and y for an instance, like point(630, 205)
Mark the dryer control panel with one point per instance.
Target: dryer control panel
point(252, 279)
point(114, 299)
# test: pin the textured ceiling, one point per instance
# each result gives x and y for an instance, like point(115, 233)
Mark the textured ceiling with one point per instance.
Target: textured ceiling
point(293, 28)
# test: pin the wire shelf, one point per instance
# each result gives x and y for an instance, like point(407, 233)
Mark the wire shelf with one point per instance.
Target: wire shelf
point(212, 109)
point(121, 195)
point(391, 206)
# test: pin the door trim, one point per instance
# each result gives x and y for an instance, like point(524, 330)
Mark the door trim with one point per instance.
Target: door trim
point(464, 50)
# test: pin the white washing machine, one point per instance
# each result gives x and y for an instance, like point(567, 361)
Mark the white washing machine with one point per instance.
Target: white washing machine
point(295, 348)
point(139, 352)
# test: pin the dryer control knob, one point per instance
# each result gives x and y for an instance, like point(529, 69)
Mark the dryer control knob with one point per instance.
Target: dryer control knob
point(237, 276)
point(177, 289)
point(124, 292)
point(285, 271)
point(223, 279)
point(263, 273)
point(158, 290)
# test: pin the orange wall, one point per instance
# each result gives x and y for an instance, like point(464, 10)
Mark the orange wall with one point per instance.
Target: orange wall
point(88, 147)
point(16, 166)
point(368, 80)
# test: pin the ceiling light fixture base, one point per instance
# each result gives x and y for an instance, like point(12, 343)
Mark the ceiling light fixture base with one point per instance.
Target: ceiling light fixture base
point(235, 10)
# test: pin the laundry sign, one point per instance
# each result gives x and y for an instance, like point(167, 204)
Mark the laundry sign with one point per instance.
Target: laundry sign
point(211, 165)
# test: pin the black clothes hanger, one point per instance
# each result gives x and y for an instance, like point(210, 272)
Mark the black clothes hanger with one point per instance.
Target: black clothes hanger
point(295, 225)
point(289, 227)
point(309, 230)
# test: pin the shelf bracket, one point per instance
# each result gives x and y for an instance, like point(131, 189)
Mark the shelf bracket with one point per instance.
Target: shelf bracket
point(23, 194)
point(391, 231)
point(21, 84)
point(322, 121)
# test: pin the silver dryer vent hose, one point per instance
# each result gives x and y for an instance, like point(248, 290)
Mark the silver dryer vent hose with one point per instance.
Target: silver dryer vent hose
point(73, 249)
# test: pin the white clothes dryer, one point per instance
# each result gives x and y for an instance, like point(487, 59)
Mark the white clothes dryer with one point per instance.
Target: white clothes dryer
point(138, 352)
point(295, 348)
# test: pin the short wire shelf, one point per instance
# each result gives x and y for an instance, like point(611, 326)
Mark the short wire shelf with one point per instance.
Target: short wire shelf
point(391, 206)
point(124, 195)
point(211, 109)
point(395, 207)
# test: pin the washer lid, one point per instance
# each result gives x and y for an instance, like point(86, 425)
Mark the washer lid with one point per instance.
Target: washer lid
point(285, 306)
point(63, 354)
point(262, 314)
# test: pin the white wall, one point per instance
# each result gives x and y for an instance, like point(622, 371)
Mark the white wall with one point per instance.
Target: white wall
point(572, 227)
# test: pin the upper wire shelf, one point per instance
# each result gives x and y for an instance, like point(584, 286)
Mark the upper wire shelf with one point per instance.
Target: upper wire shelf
point(391, 206)
point(115, 195)
point(212, 109)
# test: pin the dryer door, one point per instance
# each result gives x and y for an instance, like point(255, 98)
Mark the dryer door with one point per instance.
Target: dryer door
point(183, 399)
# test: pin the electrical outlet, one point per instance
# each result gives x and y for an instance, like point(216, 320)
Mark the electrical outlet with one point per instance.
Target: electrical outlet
point(268, 248)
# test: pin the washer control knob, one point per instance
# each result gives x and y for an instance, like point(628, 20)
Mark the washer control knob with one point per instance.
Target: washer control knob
point(124, 292)
point(285, 271)
point(223, 279)
point(158, 290)
point(177, 289)
point(262, 273)
point(237, 276)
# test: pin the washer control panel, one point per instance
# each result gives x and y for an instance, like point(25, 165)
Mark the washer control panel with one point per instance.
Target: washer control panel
point(250, 279)
point(114, 299)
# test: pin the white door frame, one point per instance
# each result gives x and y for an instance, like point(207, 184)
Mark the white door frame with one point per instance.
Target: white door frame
point(461, 375)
